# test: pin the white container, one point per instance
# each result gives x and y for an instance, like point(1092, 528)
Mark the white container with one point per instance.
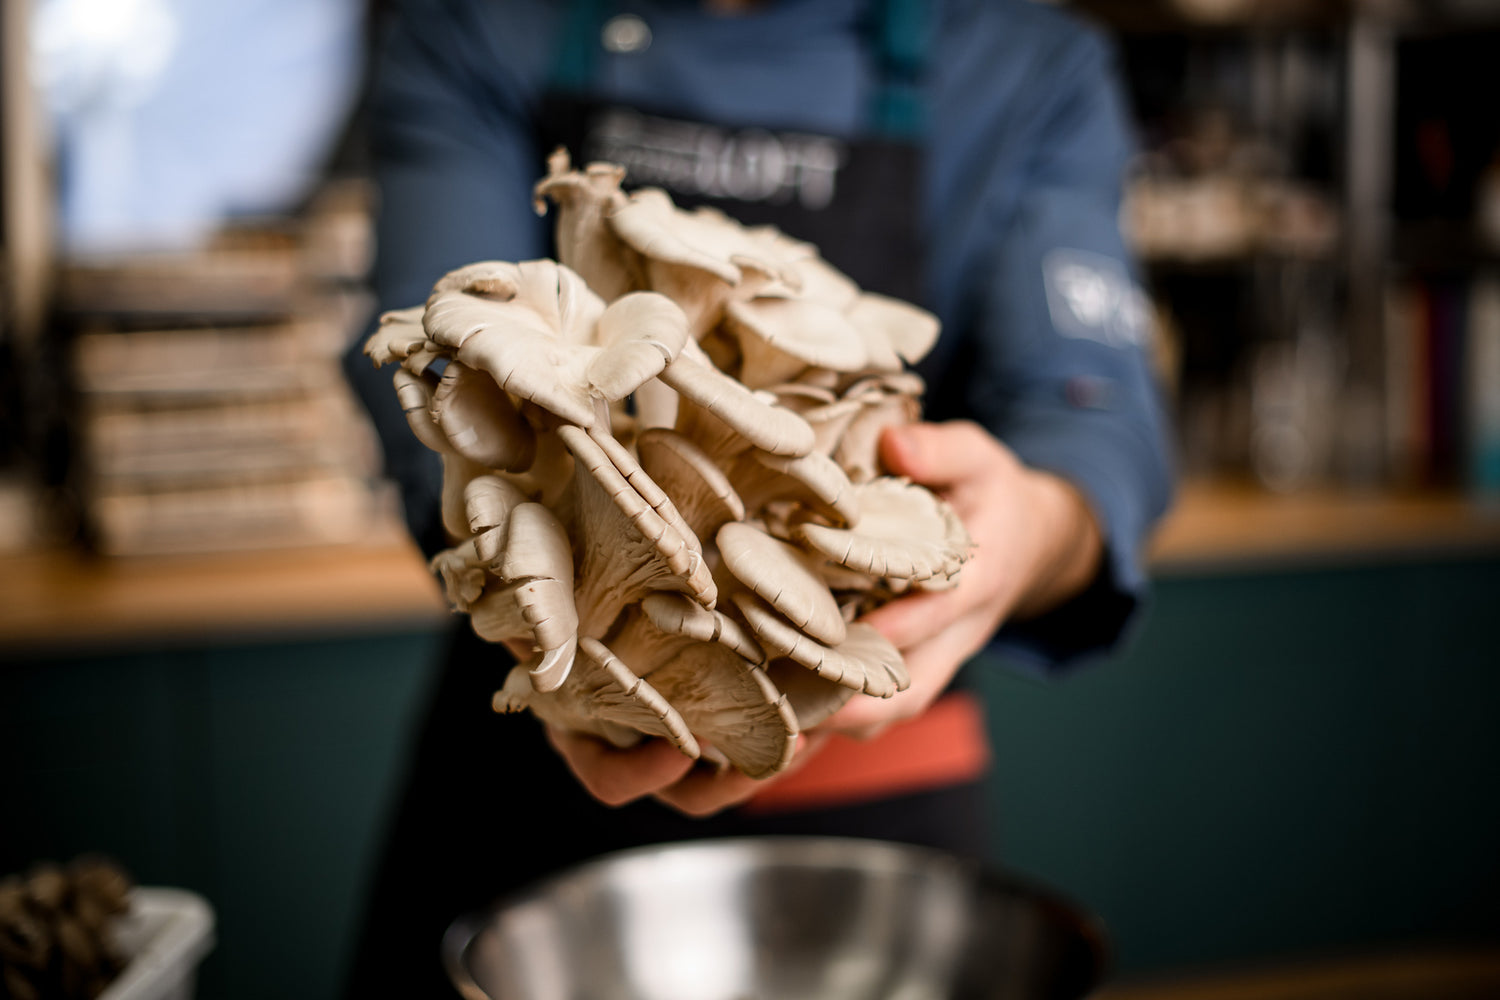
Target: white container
point(166, 934)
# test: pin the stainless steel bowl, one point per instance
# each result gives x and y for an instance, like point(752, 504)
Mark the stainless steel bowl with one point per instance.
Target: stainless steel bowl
point(777, 919)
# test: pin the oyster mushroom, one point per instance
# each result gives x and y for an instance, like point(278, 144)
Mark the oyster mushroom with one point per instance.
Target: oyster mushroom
point(700, 489)
point(585, 242)
point(881, 402)
point(543, 336)
point(489, 500)
point(727, 700)
point(676, 615)
point(821, 407)
point(813, 480)
point(781, 337)
point(601, 697)
point(462, 570)
point(628, 466)
point(698, 258)
point(480, 422)
point(908, 330)
point(534, 601)
point(784, 577)
point(625, 548)
point(812, 698)
point(415, 393)
point(723, 417)
point(904, 533)
point(865, 660)
point(399, 337)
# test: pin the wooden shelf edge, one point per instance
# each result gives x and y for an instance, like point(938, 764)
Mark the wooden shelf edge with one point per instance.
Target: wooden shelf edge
point(64, 599)
point(1233, 526)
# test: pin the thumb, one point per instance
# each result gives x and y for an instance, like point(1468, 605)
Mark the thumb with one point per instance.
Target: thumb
point(934, 455)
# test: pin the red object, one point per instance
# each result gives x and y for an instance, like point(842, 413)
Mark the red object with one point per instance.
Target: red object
point(946, 745)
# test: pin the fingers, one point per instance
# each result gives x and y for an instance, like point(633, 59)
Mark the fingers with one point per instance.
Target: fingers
point(707, 790)
point(937, 455)
point(615, 776)
point(914, 618)
point(931, 663)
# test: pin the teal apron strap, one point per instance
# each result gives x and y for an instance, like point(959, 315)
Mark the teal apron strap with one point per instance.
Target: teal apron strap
point(573, 66)
point(902, 40)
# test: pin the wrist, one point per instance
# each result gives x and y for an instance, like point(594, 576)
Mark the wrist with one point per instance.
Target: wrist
point(1070, 544)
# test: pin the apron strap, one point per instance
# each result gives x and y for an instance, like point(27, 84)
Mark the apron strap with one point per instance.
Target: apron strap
point(899, 33)
point(902, 40)
point(577, 53)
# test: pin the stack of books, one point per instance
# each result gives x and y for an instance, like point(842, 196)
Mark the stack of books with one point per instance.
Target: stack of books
point(212, 410)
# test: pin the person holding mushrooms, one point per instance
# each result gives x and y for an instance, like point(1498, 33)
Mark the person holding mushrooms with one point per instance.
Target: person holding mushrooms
point(964, 155)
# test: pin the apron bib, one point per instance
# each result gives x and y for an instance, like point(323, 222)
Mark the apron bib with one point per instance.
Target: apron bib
point(812, 187)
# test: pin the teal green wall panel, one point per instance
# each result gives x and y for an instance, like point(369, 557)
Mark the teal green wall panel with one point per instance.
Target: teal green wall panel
point(257, 775)
point(1280, 764)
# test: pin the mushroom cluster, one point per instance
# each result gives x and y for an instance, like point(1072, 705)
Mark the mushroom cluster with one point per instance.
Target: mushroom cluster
point(660, 472)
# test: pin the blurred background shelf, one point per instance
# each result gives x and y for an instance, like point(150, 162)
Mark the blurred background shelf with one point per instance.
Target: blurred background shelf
point(66, 599)
point(1229, 526)
point(63, 599)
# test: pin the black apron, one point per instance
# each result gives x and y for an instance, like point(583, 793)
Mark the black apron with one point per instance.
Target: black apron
point(856, 198)
point(488, 807)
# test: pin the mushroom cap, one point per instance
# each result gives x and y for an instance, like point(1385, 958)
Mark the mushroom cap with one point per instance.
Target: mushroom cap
point(714, 406)
point(779, 337)
point(516, 322)
point(585, 242)
point(881, 402)
point(479, 420)
point(824, 411)
point(399, 337)
point(625, 548)
point(812, 698)
point(729, 703)
point(905, 532)
point(461, 568)
point(601, 697)
point(414, 393)
point(726, 700)
point(489, 501)
point(674, 614)
point(701, 240)
point(783, 577)
point(813, 480)
point(908, 330)
point(534, 597)
point(865, 660)
point(543, 336)
point(700, 489)
point(640, 334)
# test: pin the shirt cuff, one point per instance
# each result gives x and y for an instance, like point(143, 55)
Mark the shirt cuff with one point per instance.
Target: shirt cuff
point(1115, 469)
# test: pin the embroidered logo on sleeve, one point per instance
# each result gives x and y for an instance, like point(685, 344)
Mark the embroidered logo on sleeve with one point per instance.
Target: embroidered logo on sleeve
point(1093, 297)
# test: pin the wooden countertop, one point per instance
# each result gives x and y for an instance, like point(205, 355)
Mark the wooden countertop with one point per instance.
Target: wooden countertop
point(67, 599)
point(1236, 527)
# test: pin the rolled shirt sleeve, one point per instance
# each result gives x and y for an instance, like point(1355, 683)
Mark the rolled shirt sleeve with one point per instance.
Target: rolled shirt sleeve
point(1053, 331)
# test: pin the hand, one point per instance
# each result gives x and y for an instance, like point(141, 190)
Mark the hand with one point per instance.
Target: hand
point(658, 769)
point(1036, 544)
